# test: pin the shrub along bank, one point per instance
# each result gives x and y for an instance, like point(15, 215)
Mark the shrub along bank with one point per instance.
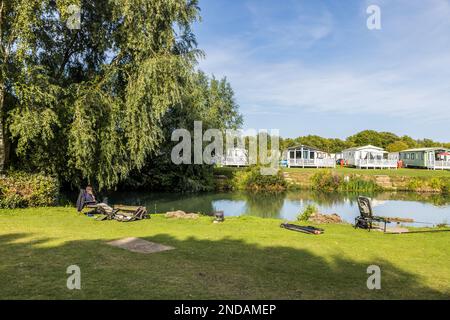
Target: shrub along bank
point(20, 190)
point(251, 179)
point(325, 180)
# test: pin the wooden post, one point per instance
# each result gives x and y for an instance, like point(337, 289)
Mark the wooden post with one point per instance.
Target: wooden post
point(295, 156)
point(303, 158)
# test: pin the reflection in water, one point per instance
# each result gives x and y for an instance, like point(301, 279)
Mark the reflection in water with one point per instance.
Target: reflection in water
point(266, 205)
point(427, 208)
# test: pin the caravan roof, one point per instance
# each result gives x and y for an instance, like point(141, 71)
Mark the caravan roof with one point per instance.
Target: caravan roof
point(304, 147)
point(426, 149)
point(369, 146)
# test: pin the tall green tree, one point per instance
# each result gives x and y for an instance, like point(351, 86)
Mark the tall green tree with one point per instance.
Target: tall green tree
point(88, 103)
point(208, 100)
point(19, 20)
point(386, 140)
point(397, 146)
point(409, 141)
point(379, 139)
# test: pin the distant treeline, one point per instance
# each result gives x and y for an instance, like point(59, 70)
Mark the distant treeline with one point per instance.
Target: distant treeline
point(387, 140)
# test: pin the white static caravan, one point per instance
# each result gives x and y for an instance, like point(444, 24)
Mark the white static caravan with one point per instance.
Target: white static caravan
point(430, 158)
point(368, 157)
point(394, 156)
point(308, 157)
point(235, 157)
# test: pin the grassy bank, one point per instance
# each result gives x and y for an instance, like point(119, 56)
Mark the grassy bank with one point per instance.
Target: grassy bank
point(414, 180)
point(243, 258)
point(360, 180)
point(405, 172)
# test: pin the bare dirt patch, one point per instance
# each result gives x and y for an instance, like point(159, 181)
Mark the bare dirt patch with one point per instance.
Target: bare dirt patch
point(139, 245)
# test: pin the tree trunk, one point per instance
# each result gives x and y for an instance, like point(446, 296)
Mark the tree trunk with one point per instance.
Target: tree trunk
point(3, 151)
point(3, 142)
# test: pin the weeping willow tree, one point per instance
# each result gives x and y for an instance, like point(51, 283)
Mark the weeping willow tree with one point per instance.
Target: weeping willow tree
point(88, 103)
point(208, 100)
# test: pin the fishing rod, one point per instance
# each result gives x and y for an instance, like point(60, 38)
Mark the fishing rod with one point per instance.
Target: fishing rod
point(420, 231)
point(421, 222)
point(408, 220)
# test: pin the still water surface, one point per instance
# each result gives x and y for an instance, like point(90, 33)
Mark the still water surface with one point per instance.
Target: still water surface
point(425, 208)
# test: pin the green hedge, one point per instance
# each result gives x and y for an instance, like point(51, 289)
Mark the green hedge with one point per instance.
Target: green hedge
point(440, 184)
point(251, 179)
point(20, 190)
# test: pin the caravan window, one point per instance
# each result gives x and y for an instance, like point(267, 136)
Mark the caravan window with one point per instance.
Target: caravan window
point(291, 154)
point(298, 154)
point(413, 156)
point(312, 155)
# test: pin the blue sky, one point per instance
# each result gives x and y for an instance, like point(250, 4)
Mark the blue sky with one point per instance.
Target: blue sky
point(313, 67)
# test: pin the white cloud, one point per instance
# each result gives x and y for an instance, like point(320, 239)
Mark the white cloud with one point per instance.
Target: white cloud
point(406, 75)
point(303, 30)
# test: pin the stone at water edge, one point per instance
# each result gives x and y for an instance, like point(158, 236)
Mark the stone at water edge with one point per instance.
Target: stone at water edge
point(181, 214)
point(324, 218)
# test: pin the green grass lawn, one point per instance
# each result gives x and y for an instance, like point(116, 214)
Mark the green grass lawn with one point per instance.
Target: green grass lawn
point(242, 258)
point(405, 172)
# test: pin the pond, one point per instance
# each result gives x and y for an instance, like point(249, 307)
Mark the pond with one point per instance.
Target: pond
point(429, 208)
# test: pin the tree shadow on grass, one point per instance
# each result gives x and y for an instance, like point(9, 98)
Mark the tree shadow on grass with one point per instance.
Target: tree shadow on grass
point(196, 269)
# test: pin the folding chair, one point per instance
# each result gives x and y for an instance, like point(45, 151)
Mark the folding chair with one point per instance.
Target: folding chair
point(82, 204)
point(366, 218)
point(130, 213)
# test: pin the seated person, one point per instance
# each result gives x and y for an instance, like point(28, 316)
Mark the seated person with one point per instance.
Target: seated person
point(89, 195)
point(88, 198)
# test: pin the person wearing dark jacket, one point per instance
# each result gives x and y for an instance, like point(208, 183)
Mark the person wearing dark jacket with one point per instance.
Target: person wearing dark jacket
point(87, 197)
